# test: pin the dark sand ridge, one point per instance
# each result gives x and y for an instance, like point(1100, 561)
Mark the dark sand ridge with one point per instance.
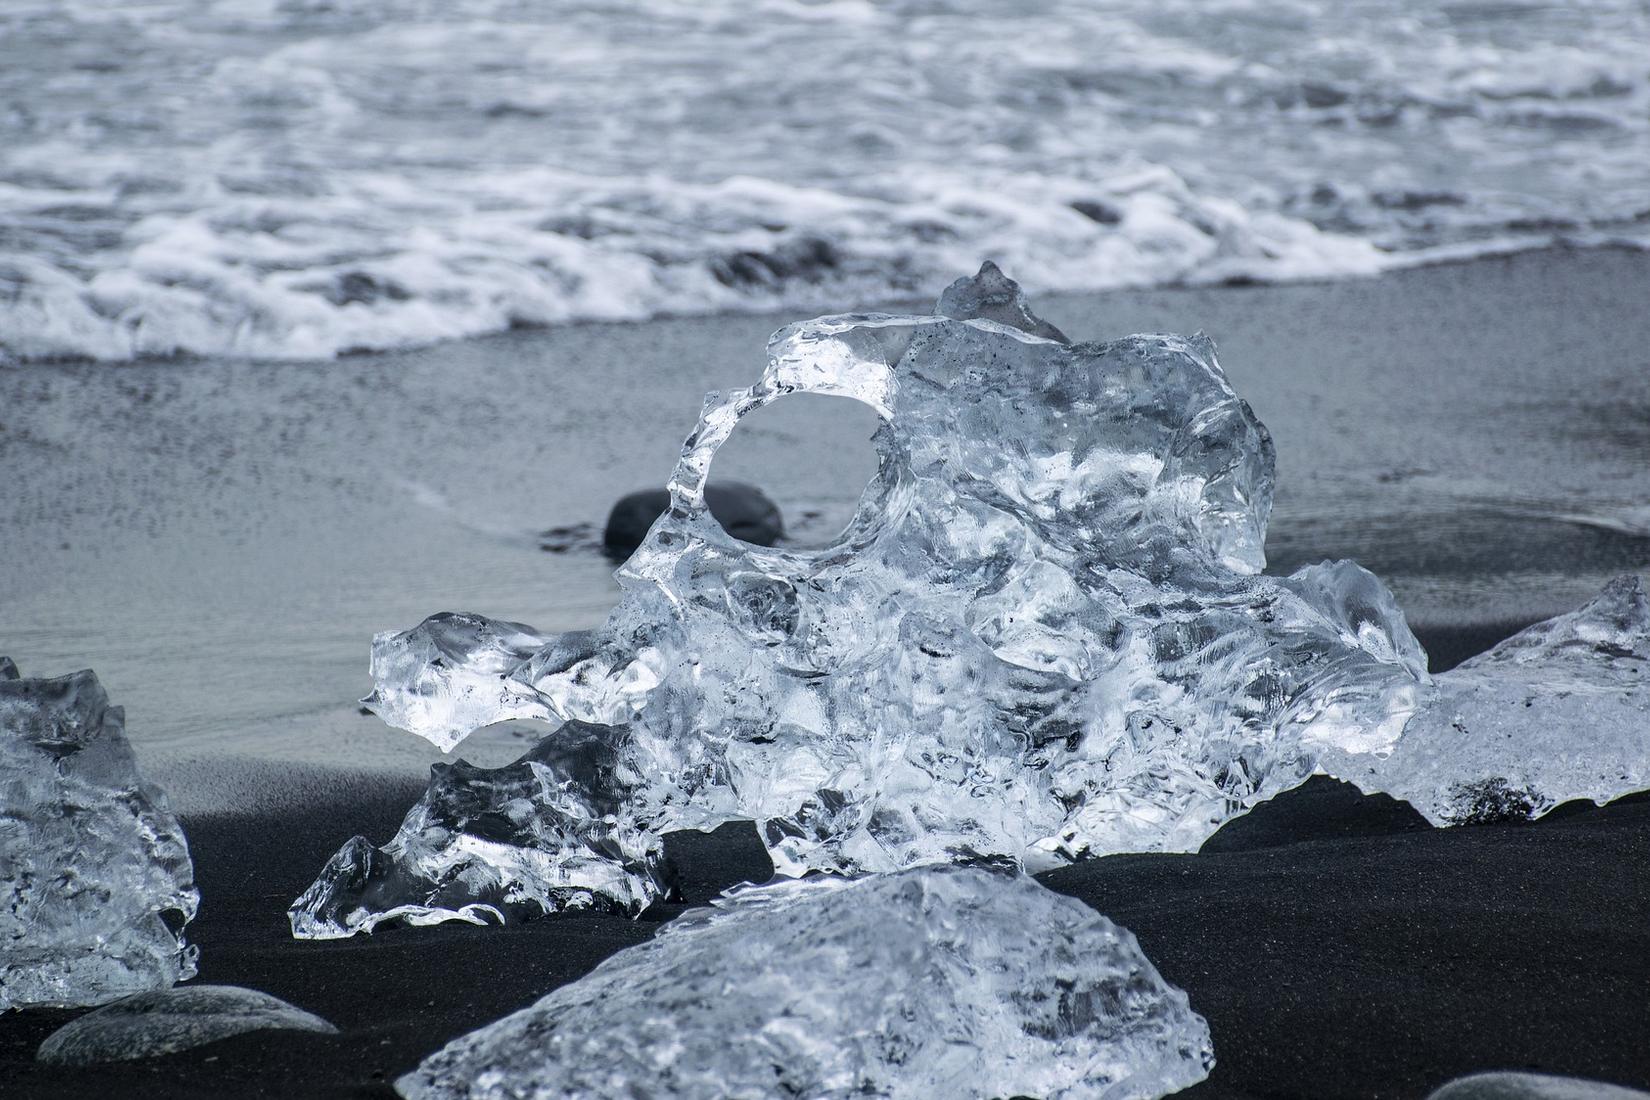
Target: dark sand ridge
point(219, 540)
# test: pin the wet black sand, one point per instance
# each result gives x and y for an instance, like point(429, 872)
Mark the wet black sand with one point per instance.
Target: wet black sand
point(1355, 953)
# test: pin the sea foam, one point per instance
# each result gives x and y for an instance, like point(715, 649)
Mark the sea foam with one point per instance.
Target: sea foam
point(290, 179)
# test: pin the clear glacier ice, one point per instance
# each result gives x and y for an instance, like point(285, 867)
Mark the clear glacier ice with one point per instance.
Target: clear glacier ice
point(448, 676)
point(1558, 712)
point(94, 870)
point(147, 1025)
point(933, 982)
point(544, 834)
point(1045, 633)
point(993, 296)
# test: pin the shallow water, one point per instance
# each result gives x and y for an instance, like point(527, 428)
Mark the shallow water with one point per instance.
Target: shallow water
point(296, 178)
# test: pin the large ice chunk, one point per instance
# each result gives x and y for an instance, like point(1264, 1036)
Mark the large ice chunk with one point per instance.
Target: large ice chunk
point(942, 981)
point(94, 872)
point(1558, 712)
point(1043, 635)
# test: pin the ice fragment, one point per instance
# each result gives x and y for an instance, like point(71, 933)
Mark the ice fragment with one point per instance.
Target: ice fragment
point(1558, 712)
point(993, 296)
point(94, 871)
point(541, 835)
point(447, 674)
point(941, 981)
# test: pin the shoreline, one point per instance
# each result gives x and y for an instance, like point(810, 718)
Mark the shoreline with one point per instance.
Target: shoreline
point(220, 540)
point(1462, 254)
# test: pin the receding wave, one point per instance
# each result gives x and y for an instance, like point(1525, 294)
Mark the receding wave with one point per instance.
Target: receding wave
point(305, 178)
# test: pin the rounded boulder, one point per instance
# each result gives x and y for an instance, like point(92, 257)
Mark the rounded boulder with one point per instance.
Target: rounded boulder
point(744, 511)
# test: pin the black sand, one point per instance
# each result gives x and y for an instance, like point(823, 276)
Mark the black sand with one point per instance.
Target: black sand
point(1337, 946)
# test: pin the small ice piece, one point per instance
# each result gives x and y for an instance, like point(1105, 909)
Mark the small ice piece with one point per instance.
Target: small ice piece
point(146, 1025)
point(1044, 635)
point(448, 673)
point(544, 834)
point(993, 296)
point(95, 878)
point(1558, 712)
point(936, 982)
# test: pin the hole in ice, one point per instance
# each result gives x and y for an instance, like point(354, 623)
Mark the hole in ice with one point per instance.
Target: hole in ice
point(812, 455)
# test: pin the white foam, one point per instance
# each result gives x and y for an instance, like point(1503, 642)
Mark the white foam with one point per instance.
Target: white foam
point(295, 179)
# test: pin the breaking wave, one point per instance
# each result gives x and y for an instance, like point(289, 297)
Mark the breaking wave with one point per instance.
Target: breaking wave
point(304, 178)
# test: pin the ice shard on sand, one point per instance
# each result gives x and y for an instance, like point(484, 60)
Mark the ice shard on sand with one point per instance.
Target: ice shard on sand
point(1557, 712)
point(95, 878)
point(545, 834)
point(937, 981)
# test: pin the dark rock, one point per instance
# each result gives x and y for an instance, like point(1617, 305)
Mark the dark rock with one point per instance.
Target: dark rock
point(1102, 212)
point(744, 512)
point(574, 536)
point(1532, 1086)
point(808, 259)
point(165, 1021)
point(357, 287)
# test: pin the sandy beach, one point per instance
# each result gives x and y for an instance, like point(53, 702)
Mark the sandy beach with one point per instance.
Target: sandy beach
point(220, 540)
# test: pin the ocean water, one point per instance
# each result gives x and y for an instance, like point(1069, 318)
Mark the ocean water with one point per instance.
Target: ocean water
point(304, 178)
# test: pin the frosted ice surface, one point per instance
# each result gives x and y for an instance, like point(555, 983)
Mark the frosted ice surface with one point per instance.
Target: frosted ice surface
point(146, 1025)
point(544, 834)
point(94, 870)
point(1558, 712)
point(993, 296)
point(940, 981)
point(1043, 635)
